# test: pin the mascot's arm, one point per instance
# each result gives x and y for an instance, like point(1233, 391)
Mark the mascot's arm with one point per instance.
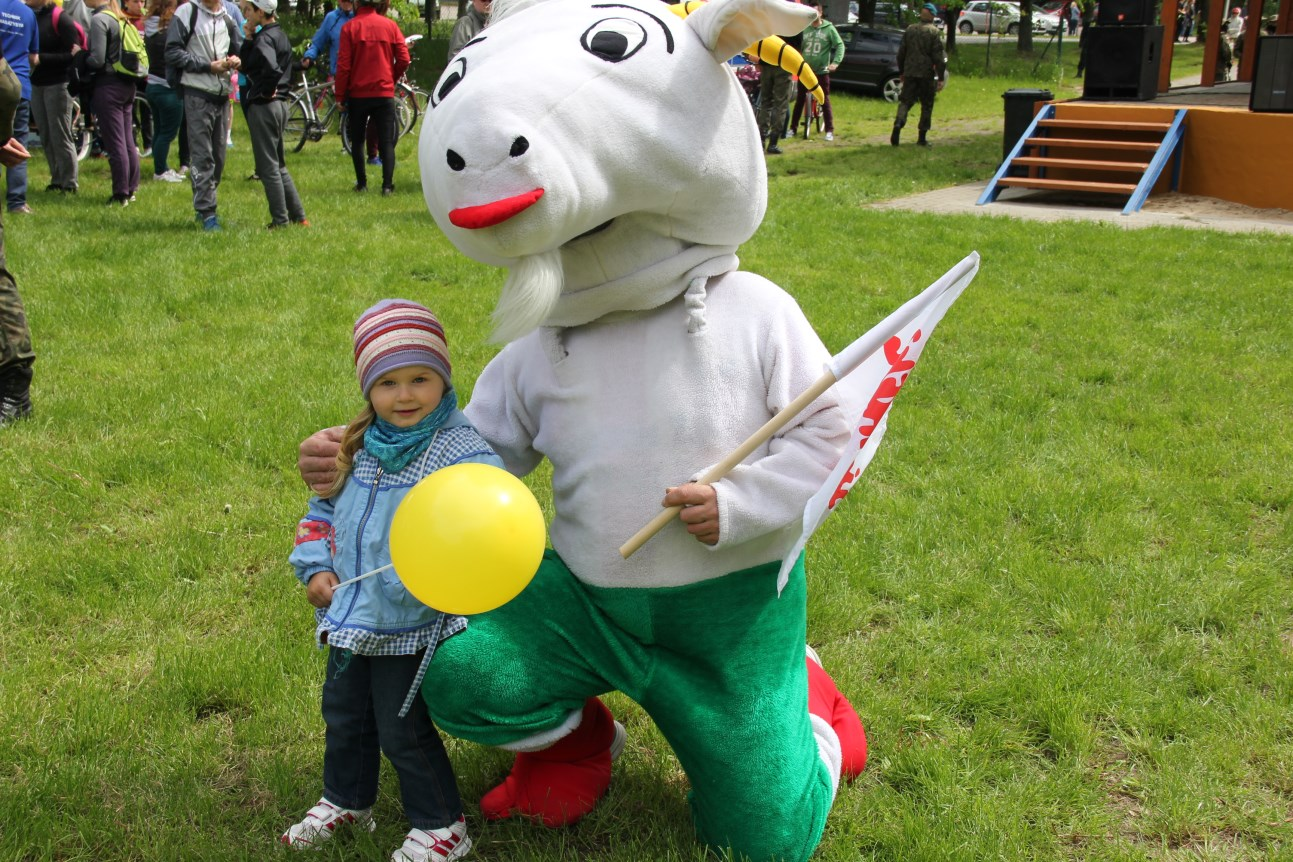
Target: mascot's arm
point(498, 413)
point(767, 494)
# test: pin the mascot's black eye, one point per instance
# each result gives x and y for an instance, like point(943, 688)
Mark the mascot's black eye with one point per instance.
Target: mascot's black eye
point(614, 39)
point(451, 78)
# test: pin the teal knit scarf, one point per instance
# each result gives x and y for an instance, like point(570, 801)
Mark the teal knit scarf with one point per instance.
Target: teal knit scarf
point(395, 447)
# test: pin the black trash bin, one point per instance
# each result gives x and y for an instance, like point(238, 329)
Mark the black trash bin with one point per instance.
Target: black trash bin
point(1020, 106)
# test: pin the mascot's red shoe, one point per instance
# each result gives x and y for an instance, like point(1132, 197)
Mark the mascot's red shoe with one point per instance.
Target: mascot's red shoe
point(563, 782)
point(825, 701)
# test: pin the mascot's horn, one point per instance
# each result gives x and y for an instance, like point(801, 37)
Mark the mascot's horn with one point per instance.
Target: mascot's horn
point(772, 50)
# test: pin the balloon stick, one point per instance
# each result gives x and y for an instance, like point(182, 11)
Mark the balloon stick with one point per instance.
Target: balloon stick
point(364, 575)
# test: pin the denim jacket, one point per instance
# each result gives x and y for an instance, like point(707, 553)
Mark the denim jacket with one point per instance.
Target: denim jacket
point(348, 535)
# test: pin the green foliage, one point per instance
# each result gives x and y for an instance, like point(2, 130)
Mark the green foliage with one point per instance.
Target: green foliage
point(1058, 598)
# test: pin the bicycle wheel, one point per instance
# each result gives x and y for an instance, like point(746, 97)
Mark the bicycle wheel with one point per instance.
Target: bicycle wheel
point(818, 113)
point(143, 126)
point(345, 134)
point(297, 130)
point(80, 134)
point(809, 103)
point(406, 110)
point(325, 113)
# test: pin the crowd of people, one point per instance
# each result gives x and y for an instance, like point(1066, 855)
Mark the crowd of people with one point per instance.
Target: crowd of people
point(193, 61)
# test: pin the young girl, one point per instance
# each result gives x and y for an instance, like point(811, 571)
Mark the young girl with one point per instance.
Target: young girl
point(379, 638)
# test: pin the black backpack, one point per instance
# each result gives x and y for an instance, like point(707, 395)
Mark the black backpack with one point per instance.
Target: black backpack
point(80, 77)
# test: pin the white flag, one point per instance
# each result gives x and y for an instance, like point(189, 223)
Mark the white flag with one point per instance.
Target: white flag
point(871, 372)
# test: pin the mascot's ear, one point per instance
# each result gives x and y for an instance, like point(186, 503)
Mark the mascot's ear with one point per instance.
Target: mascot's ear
point(727, 27)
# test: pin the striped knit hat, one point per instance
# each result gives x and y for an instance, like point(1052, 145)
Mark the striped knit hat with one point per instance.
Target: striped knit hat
point(397, 333)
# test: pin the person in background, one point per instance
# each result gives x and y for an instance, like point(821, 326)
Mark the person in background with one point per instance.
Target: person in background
point(823, 50)
point(466, 27)
point(16, 354)
point(326, 42)
point(168, 110)
point(114, 100)
point(51, 104)
point(923, 64)
point(204, 64)
point(19, 43)
point(371, 57)
point(267, 64)
point(774, 99)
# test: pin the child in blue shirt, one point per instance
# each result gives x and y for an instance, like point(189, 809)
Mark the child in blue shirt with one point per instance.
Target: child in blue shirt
point(379, 637)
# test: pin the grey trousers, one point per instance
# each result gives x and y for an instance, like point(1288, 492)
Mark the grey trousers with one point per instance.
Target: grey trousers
point(208, 126)
point(265, 124)
point(51, 108)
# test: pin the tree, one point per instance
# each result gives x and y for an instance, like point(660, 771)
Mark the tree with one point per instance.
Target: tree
point(1025, 27)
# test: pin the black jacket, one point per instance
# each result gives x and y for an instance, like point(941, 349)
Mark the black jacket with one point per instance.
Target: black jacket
point(55, 48)
point(267, 63)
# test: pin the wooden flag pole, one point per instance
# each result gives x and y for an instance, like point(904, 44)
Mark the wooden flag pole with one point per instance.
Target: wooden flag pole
point(737, 455)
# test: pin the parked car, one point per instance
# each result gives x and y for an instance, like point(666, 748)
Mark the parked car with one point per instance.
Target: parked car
point(1046, 22)
point(870, 61)
point(974, 17)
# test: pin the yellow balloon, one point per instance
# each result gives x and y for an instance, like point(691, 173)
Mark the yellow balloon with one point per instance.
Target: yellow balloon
point(467, 538)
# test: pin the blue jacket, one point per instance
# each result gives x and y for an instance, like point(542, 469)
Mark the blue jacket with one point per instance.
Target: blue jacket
point(348, 535)
point(328, 38)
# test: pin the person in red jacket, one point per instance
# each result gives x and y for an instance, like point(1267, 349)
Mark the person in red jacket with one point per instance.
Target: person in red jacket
point(371, 57)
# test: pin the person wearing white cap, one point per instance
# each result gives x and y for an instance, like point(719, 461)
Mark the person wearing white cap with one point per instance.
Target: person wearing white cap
point(267, 63)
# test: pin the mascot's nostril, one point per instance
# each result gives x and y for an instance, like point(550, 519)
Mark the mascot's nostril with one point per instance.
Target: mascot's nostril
point(519, 146)
point(455, 161)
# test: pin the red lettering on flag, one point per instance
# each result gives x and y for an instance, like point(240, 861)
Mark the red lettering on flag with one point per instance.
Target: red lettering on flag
point(895, 353)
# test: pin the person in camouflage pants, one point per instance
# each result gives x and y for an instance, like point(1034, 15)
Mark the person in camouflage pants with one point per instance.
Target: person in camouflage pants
point(922, 63)
point(16, 355)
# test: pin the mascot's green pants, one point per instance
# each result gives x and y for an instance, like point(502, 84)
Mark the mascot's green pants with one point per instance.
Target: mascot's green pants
point(718, 665)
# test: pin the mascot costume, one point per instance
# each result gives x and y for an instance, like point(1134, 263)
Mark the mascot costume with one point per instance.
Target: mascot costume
point(606, 155)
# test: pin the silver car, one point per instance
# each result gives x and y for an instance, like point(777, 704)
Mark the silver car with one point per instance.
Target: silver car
point(975, 16)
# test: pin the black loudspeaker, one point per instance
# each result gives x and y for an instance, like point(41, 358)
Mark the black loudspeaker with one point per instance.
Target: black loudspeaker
point(1122, 63)
point(1273, 75)
point(1113, 13)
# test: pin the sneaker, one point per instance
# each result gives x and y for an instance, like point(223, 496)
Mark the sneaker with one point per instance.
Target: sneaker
point(211, 224)
point(304, 222)
point(275, 226)
point(53, 188)
point(434, 845)
point(253, 177)
point(119, 201)
point(361, 187)
point(22, 208)
point(15, 407)
point(322, 821)
point(375, 161)
point(184, 170)
point(387, 191)
point(830, 136)
point(774, 150)
point(168, 176)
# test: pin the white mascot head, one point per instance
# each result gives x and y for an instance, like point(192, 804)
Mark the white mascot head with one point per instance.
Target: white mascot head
point(583, 144)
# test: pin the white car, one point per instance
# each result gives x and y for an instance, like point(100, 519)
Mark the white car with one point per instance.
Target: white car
point(975, 16)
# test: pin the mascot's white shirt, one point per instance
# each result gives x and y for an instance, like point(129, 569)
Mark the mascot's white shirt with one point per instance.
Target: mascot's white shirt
point(633, 402)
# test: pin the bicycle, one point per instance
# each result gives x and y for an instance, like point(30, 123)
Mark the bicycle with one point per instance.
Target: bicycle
point(812, 115)
point(311, 114)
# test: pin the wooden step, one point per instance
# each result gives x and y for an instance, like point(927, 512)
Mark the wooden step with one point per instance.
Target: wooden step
point(1106, 124)
point(1067, 185)
point(1146, 146)
point(1080, 164)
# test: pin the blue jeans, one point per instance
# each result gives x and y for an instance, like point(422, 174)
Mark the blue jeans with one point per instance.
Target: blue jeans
point(15, 178)
point(362, 696)
point(168, 113)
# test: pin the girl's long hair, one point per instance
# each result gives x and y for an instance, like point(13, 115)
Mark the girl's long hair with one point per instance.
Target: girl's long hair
point(163, 9)
point(352, 440)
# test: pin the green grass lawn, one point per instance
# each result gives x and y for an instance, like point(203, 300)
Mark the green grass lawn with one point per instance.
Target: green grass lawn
point(1059, 598)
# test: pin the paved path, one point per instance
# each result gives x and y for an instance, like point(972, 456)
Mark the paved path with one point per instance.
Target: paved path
point(1169, 210)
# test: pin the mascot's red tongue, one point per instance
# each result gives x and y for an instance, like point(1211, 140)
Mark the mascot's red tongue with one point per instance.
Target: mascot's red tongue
point(494, 212)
